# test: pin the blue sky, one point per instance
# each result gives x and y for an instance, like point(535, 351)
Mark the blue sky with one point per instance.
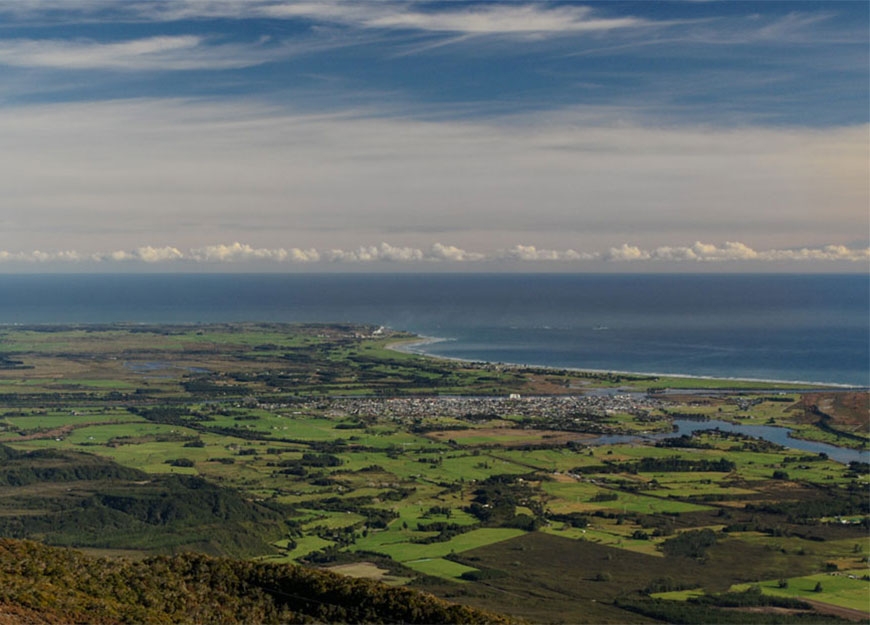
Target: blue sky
point(290, 135)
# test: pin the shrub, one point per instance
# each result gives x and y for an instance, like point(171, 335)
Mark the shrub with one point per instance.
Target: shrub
point(692, 544)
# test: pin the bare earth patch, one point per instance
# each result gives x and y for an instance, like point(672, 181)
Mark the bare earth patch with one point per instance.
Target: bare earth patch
point(846, 613)
point(368, 570)
point(52, 433)
point(769, 609)
point(562, 477)
point(849, 411)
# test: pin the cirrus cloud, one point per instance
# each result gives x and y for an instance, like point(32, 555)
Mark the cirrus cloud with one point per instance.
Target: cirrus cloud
point(505, 20)
point(165, 53)
point(487, 19)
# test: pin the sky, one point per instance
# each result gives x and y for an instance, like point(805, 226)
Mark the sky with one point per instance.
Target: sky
point(401, 135)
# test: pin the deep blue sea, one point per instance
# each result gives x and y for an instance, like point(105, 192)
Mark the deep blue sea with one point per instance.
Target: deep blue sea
point(776, 327)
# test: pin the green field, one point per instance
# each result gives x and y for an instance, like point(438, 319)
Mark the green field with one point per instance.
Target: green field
point(439, 567)
point(402, 551)
point(331, 449)
point(848, 589)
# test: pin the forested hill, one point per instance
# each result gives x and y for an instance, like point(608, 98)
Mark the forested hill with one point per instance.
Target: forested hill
point(71, 498)
point(41, 584)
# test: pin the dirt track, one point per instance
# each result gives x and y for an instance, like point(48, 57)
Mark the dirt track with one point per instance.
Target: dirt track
point(846, 613)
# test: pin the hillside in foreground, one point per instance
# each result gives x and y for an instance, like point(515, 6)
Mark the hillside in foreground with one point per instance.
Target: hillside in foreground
point(41, 584)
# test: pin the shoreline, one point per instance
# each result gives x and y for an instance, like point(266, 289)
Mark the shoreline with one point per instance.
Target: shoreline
point(412, 346)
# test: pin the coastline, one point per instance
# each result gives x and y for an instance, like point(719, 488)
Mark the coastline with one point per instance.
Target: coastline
point(413, 346)
point(701, 328)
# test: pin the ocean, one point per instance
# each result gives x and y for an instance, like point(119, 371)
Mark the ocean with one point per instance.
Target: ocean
point(812, 328)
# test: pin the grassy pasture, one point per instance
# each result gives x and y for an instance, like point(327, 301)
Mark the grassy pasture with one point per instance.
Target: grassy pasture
point(333, 520)
point(125, 434)
point(579, 497)
point(476, 467)
point(694, 484)
point(252, 379)
point(506, 436)
point(459, 467)
point(387, 544)
point(32, 423)
point(812, 433)
point(604, 533)
point(679, 595)
point(846, 589)
point(457, 515)
point(548, 460)
point(303, 547)
point(439, 567)
point(842, 552)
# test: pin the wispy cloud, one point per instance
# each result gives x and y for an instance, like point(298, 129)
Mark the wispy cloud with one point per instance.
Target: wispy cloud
point(510, 19)
point(481, 20)
point(240, 253)
point(518, 19)
point(183, 52)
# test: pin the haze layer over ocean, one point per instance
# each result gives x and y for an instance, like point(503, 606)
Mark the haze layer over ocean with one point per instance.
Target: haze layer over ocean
point(780, 327)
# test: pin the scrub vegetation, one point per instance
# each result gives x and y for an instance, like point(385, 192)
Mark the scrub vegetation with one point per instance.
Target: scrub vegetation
point(300, 447)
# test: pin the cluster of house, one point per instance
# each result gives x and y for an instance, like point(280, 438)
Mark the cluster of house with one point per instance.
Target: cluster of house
point(553, 409)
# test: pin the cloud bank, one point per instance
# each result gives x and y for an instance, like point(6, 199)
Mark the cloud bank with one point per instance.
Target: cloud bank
point(735, 251)
point(240, 253)
point(123, 174)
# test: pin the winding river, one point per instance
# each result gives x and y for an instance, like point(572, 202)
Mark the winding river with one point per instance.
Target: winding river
point(774, 434)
